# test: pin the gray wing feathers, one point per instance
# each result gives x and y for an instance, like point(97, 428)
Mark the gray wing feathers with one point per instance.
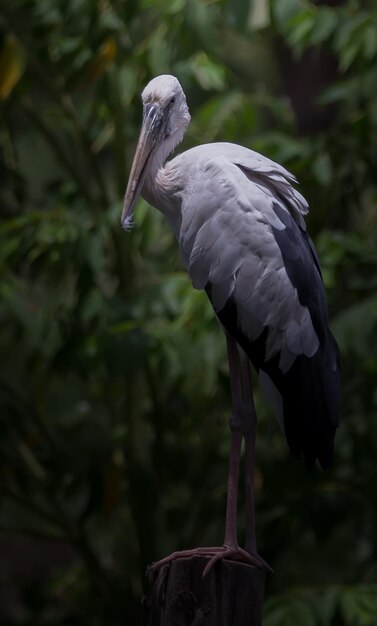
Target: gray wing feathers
point(227, 240)
point(278, 187)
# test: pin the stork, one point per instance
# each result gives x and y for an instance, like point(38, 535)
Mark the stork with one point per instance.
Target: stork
point(242, 237)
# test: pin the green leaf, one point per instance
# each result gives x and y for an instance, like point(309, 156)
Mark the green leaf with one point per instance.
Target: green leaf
point(323, 169)
point(324, 25)
point(210, 75)
point(339, 92)
point(349, 30)
point(355, 328)
point(283, 12)
point(159, 50)
point(300, 33)
point(359, 605)
point(326, 606)
point(290, 610)
point(349, 54)
point(370, 41)
point(238, 11)
point(221, 116)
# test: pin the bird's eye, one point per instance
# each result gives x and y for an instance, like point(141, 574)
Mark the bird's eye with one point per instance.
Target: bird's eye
point(172, 100)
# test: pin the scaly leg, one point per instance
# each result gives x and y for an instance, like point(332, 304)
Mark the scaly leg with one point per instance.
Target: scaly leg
point(240, 427)
point(249, 433)
point(242, 423)
point(235, 425)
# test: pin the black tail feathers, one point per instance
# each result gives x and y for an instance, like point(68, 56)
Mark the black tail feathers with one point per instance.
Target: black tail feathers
point(311, 405)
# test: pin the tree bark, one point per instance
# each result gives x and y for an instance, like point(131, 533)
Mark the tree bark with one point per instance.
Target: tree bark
point(231, 594)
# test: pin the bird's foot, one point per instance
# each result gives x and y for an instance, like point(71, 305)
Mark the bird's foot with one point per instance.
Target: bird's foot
point(217, 553)
point(235, 553)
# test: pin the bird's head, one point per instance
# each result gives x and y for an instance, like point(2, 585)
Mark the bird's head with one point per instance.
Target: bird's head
point(165, 120)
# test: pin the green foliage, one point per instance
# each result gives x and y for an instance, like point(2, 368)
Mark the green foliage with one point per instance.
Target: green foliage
point(349, 30)
point(356, 606)
point(113, 380)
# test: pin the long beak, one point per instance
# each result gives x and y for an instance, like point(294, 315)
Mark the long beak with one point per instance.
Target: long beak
point(147, 140)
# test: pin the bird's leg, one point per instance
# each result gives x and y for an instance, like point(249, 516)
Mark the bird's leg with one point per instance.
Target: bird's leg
point(235, 425)
point(241, 425)
point(249, 433)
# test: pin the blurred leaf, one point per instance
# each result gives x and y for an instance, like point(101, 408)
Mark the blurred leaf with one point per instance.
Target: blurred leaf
point(210, 75)
point(303, 25)
point(348, 55)
point(221, 115)
point(103, 58)
point(359, 606)
point(356, 327)
point(325, 23)
point(283, 12)
point(326, 606)
point(12, 65)
point(322, 169)
point(370, 41)
point(289, 611)
point(259, 15)
point(238, 11)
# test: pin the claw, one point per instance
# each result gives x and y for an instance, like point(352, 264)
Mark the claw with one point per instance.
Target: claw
point(217, 553)
point(236, 553)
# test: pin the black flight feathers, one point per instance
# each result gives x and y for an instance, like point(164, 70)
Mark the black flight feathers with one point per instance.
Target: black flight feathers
point(310, 389)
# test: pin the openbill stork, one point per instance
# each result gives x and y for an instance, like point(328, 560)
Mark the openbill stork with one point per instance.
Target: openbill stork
point(240, 227)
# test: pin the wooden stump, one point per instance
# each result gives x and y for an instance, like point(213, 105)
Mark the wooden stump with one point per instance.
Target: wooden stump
point(230, 595)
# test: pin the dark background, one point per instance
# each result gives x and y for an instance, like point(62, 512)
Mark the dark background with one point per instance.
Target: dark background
point(114, 393)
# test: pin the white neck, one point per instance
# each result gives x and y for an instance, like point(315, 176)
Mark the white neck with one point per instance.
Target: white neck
point(162, 151)
point(157, 188)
